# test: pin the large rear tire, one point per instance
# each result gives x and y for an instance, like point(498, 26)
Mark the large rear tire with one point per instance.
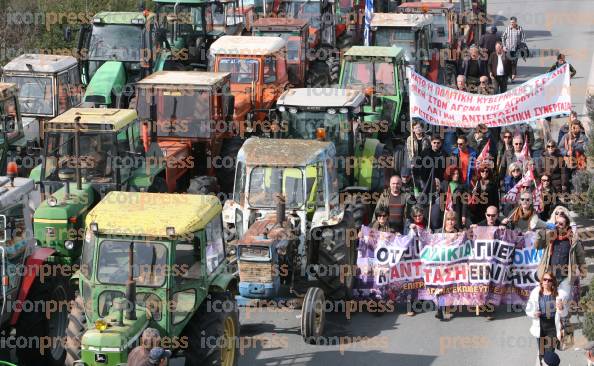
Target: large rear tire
point(337, 252)
point(77, 326)
point(217, 330)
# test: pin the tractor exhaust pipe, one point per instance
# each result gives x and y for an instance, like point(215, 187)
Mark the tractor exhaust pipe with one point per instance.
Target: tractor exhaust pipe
point(77, 151)
point(131, 286)
point(280, 209)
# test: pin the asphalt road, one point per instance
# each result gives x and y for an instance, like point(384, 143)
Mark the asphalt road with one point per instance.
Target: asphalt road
point(272, 337)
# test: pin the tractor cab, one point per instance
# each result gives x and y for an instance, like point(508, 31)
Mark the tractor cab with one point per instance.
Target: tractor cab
point(380, 73)
point(411, 32)
point(258, 68)
point(161, 265)
point(191, 26)
point(178, 108)
point(121, 50)
point(444, 28)
point(319, 14)
point(48, 85)
point(299, 40)
point(88, 152)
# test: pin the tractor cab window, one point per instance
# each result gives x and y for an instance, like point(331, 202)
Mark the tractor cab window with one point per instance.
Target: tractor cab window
point(333, 183)
point(180, 112)
point(305, 124)
point(294, 48)
point(242, 70)
point(307, 10)
point(239, 186)
point(269, 70)
point(188, 258)
point(86, 260)
point(8, 108)
point(35, 94)
point(68, 94)
point(215, 248)
point(267, 182)
point(149, 263)
point(366, 74)
point(96, 152)
point(116, 42)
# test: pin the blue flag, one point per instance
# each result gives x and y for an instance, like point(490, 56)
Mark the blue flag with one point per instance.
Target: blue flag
point(368, 15)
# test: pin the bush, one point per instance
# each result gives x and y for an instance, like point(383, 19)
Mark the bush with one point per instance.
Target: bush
point(587, 303)
point(583, 189)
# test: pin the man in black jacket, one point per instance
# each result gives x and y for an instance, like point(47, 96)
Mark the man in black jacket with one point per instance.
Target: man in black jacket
point(499, 68)
point(488, 40)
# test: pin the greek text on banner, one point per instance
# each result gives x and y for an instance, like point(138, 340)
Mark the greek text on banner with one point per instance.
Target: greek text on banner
point(543, 96)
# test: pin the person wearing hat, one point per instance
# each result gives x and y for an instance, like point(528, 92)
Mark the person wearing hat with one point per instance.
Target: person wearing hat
point(488, 40)
point(140, 355)
point(407, 180)
point(550, 358)
point(159, 356)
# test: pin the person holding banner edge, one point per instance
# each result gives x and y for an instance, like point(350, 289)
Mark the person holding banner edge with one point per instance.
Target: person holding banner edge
point(499, 66)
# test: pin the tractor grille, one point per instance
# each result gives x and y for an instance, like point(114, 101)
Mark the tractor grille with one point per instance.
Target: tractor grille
point(258, 272)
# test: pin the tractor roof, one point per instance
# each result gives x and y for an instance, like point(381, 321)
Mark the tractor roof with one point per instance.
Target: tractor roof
point(273, 23)
point(247, 45)
point(40, 63)
point(100, 119)
point(7, 90)
point(284, 152)
point(375, 51)
point(400, 20)
point(150, 214)
point(121, 17)
point(198, 78)
point(10, 195)
point(426, 6)
point(321, 97)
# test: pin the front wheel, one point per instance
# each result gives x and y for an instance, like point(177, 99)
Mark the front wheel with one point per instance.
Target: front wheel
point(313, 316)
point(77, 326)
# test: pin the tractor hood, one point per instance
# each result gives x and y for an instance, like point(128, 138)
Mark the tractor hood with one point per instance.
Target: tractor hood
point(265, 232)
point(108, 79)
point(77, 203)
point(111, 346)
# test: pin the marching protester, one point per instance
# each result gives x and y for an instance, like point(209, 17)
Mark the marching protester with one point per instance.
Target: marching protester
point(565, 127)
point(560, 62)
point(450, 226)
point(417, 220)
point(513, 37)
point(553, 166)
point(478, 138)
point(397, 203)
point(546, 308)
point(381, 220)
point(485, 87)
point(461, 83)
point(504, 144)
point(499, 66)
point(549, 197)
point(465, 158)
point(515, 155)
point(408, 183)
point(573, 147)
point(473, 67)
point(539, 135)
point(140, 355)
point(485, 192)
point(433, 159)
point(453, 192)
point(417, 142)
point(524, 217)
point(563, 252)
point(488, 40)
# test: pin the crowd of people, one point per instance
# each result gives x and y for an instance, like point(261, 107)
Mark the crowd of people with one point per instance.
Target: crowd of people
point(517, 177)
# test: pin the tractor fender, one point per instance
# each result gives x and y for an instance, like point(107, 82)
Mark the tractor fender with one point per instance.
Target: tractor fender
point(32, 264)
point(225, 281)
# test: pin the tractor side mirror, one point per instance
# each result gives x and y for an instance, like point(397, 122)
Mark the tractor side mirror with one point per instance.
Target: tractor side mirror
point(67, 34)
point(2, 229)
point(228, 107)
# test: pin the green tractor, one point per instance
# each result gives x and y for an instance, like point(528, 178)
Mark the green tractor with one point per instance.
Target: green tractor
point(336, 115)
point(162, 265)
point(120, 48)
point(380, 73)
point(88, 152)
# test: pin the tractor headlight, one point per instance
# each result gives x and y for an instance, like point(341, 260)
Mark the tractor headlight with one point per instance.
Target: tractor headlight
point(94, 227)
point(292, 110)
point(69, 244)
point(100, 325)
point(344, 110)
point(52, 201)
point(331, 111)
point(281, 108)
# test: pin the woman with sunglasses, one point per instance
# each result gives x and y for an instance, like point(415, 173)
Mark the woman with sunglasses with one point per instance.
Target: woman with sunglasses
point(548, 197)
point(485, 192)
point(563, 252)
point(552, 164)
point(546, 306)
point(513, 177)
point(524, 217)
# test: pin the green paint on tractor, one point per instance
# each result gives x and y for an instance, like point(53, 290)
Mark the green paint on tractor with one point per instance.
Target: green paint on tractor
point(110, 77)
